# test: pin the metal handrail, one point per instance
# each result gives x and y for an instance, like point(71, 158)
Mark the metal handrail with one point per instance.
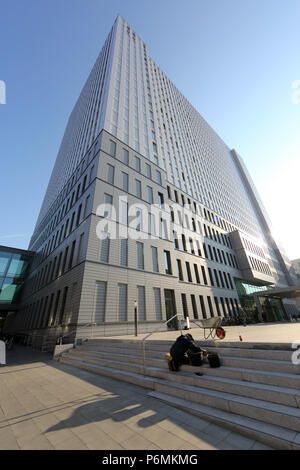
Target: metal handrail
point(60, 338)
point(155, 331)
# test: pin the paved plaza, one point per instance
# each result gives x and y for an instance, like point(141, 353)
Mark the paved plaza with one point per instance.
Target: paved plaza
point(48, 405)
point(256, 333)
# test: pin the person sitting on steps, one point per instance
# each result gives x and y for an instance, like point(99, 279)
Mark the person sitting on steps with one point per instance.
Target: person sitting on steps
point(180, 349)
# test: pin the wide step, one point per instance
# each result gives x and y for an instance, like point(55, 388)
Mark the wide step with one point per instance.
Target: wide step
point(271, 435)
point(256, 386)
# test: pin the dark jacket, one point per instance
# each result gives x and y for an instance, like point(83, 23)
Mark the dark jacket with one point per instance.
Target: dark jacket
point(181, 346)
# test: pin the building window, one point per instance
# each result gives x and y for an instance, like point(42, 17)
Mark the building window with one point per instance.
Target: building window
point(158, 177)
point(198, 248)
point(221, 278)
point(150, 195)
point(122, 313)
point(180, 274)
point(85, 207)
point(176, 245)
point(58, 272)
point(112, 149)
point(157, 303)
point(184, 305)
point(202, 306)
point(108, 200)
point(80, 249)
point(105, 242)
point(78, 215)
point(100, 304)
point(183, 242)
point(123, 251)
point(188, 270)
point(138, 189)
point(217, 306)
point(210, 277)
point(160, 200)
point(194, 305)
point(154, 259)
point(148, 171)
point(141, 303)
point(152, 227)
point(168, 262)
point(63, 306)
point(163, 226)
point(216, 278)
point(138, 217)
point(210, 306)
point(204, 275)
point(223, 306)
point(197, 274)
point(125, 156)
point(55, 308)
point(138, 164)
point(140, 255)
point(65, 260)
point(110, 174)
point(124, 213)
point(72, 255)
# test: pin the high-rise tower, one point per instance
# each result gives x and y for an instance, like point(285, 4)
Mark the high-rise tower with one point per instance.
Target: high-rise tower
point(147, 203)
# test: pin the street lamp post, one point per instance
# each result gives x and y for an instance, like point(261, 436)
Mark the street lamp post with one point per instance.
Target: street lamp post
point(135, 318)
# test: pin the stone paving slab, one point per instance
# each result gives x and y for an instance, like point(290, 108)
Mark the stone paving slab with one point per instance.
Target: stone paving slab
point(47, 405)
point(260, 333)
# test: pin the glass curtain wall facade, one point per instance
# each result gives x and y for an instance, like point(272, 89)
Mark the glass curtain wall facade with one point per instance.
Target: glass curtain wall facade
point(14, 267)
point(13, 270)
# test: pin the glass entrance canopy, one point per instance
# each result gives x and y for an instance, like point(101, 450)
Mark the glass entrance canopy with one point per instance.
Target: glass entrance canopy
point(14, 265)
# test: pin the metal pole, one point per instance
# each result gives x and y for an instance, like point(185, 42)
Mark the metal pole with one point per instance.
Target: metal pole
point(135, 319)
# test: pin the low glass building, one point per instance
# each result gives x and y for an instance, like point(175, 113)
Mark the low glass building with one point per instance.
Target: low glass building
point(14, 265)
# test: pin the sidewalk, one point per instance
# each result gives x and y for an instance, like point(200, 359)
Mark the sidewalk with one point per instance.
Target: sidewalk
point(285, 333)
point(47, 405)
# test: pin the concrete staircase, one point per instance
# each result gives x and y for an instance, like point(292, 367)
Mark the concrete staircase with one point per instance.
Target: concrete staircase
point(256, 392)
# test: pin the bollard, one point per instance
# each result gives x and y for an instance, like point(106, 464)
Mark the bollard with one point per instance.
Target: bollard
point(2, 353)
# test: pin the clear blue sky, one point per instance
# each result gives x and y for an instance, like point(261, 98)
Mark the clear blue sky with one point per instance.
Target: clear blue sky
point(234, 60)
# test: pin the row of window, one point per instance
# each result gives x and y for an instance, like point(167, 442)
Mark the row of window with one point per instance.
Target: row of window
point(122, 306)
point(222, 306)
point(135, 163)
point(216, 236)
point(215, 254)
point(71, 223)
point(226, 307)
point(216, 278)
point(47, 311)
point(211, 233)
point(62, 209)
point(51, 310)
point(250, 246)
point(260, 266)
point(67, 228)
point(62, 263)
point(215, 219)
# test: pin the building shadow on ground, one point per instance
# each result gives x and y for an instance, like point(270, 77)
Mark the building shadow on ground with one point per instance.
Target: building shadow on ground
point(129, 403)
point(117, 401)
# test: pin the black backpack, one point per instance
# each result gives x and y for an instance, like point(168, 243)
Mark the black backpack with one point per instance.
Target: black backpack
point(196, 358)
point(213, 360)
